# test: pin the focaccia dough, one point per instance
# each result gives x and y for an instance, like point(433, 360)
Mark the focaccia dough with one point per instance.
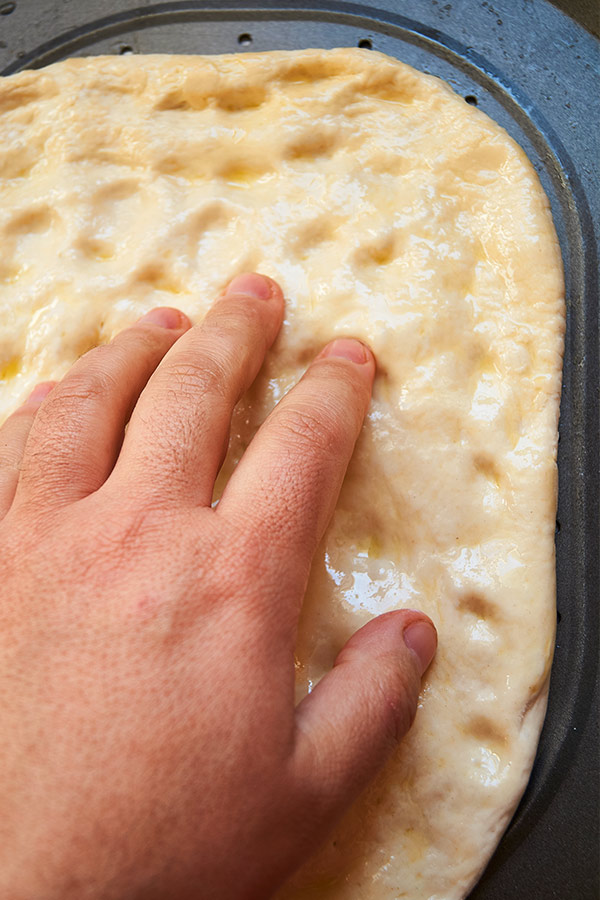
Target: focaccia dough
point(389, 210)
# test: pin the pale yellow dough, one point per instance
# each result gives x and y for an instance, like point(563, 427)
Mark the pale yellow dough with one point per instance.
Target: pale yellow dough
point(390, 210)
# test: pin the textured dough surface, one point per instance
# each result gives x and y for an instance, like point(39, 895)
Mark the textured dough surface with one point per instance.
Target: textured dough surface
point(389, 210)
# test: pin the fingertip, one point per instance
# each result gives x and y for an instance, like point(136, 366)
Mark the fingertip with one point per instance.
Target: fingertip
point(349, 348)
point(40, 392)
point(420, 636)
point(389, 631)
point(253, 284)
point(166, 317)
point(259, 294)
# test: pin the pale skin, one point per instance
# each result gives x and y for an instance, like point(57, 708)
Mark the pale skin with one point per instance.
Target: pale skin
point(150, 746)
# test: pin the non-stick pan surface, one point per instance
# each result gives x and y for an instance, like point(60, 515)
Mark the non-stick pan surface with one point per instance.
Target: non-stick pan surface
point(535, 71)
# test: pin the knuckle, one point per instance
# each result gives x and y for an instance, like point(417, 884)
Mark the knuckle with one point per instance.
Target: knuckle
point(322, 429)
point(57, 427)
point(83, 385)
point(45, 479)
point(205, 376)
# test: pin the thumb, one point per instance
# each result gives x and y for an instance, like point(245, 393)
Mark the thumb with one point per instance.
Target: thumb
point(355, 717)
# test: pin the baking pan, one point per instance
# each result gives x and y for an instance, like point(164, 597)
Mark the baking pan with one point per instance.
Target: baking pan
point(534, 70)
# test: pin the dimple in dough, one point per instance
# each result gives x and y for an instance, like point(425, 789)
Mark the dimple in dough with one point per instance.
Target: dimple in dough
point(390, 210)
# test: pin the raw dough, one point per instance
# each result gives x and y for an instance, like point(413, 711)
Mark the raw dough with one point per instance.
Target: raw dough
point(389, 210)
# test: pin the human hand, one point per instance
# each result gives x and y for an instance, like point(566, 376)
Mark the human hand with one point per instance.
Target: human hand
point(149, 742)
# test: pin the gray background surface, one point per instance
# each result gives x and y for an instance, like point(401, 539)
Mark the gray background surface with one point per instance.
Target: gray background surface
point(535, 70)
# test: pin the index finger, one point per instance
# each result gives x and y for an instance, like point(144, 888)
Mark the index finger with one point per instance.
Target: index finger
point(288, 481)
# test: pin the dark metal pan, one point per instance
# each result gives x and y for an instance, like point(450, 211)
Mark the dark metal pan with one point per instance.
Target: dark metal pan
point(535, 71)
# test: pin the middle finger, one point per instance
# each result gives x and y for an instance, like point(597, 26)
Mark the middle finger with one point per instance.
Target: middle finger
point(179, 430)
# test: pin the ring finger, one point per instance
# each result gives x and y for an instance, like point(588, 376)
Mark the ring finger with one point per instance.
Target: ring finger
point(76, 436)
point(13, 437)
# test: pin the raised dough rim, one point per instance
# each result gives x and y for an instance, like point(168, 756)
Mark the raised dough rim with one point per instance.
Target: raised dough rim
point(580, 254)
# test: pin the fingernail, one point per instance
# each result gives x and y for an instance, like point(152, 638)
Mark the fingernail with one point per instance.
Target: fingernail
point(40, 391)
point(348, 349)
point(421, 638)
point(165, 316)
point(252, 285)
